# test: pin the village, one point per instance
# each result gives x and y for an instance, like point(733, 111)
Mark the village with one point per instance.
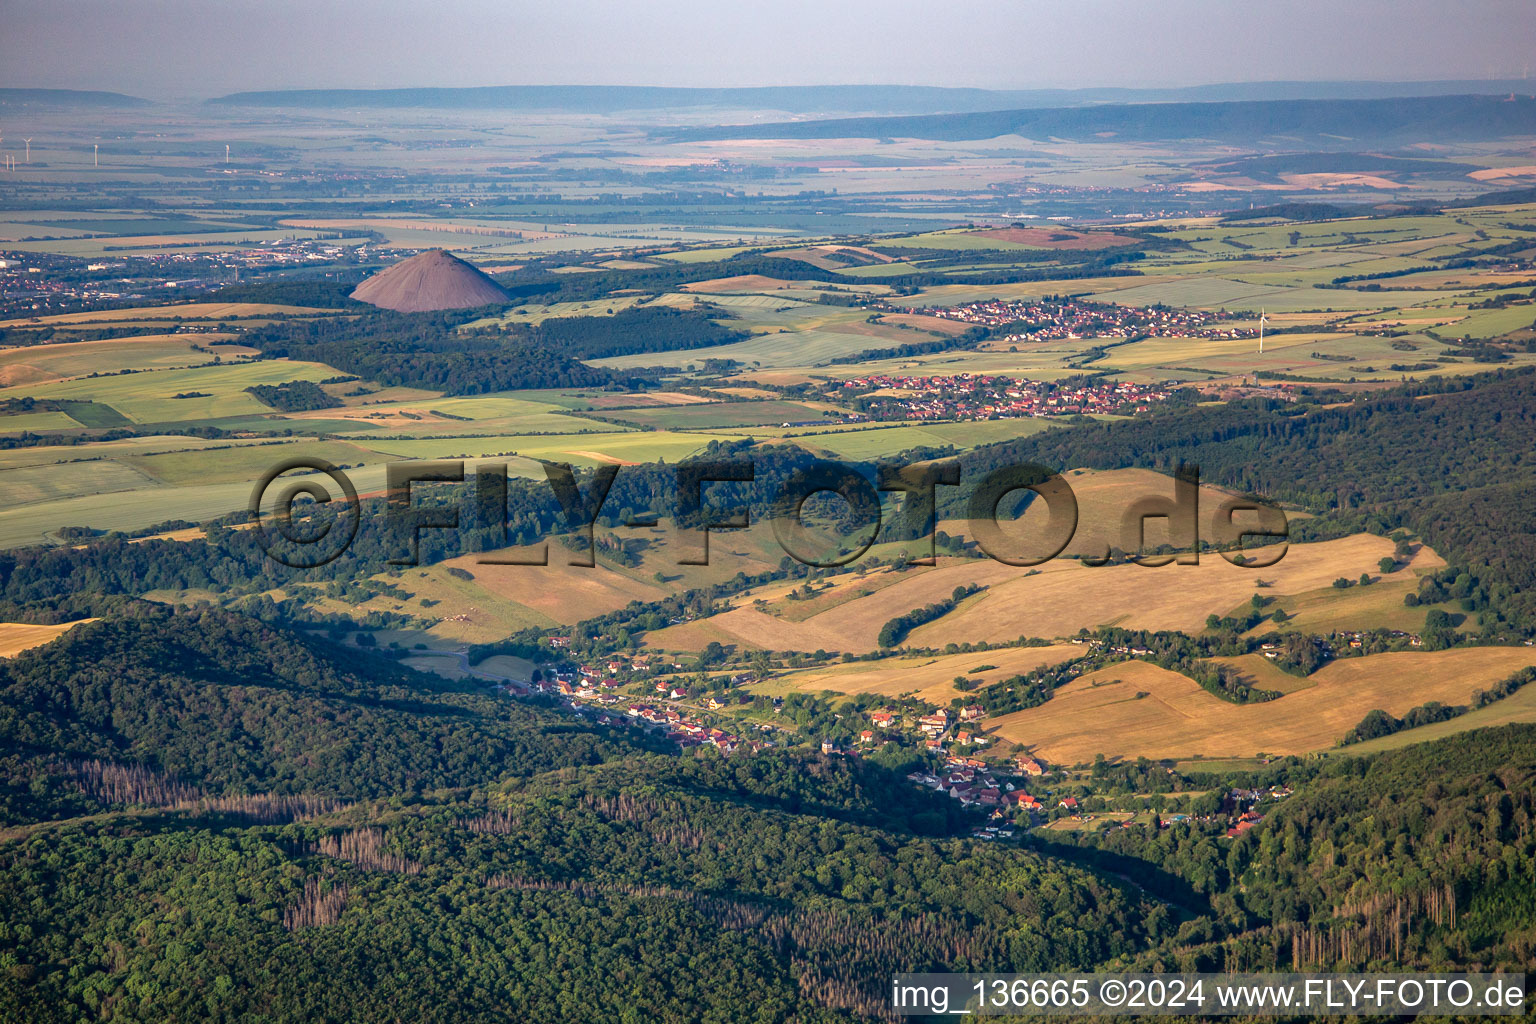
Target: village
point(1010, 794)
point(1057, 319)
point(979, 396)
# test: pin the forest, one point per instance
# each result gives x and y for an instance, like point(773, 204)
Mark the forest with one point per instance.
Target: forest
point(360, 837)
point(425, 350)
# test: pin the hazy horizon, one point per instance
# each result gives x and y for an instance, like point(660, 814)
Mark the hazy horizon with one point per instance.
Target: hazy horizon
point(208, 51)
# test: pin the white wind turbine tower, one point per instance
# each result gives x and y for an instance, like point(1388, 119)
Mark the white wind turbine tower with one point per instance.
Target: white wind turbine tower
point(226, 152)
point(1262, 321)
point(29, 150)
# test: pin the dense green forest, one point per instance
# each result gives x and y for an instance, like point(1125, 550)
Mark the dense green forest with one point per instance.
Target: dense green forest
point(293, 396)
point(425, 350)
point(1423, 857)
point(228, 706)
point(434, 350)
point(472, 856)
point(631, 331)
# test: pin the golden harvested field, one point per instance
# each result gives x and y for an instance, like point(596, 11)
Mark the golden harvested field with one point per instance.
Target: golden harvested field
point(842, 589)
point(1103, 496)
point(1067, 595)
point(743, 392)
point(1519, 707)
point(558, 592)
point(1101, 712)
point(931, 678)
point(1056, 600)
point(16, 637)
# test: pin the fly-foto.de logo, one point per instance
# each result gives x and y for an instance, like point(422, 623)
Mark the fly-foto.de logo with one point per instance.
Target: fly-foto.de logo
point(308, 534)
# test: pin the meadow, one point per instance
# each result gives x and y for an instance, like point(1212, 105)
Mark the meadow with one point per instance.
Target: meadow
point(1518, 707)
point(728, 414)
point(150, 397)
point(1135, 709)
point(37, 364)
point(586, 449)
point(928, 678)
point(1055, 599)
point(884, 442)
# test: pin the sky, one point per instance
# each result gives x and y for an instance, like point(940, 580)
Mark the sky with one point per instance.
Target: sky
point(195, 49)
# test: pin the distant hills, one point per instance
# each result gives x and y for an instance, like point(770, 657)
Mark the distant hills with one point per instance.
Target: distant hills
point(66, 98)
point(1319, 124)
point(873, 99)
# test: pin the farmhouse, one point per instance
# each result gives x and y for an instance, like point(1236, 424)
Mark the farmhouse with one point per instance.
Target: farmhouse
point(1029, 766)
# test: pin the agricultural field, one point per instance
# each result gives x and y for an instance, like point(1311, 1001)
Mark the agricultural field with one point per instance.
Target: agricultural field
point(1261, 673)
point(728, 414)
point(242, 462)
point(1518, 707)
point(1053, 600)
point(135, 509)
point(1045, 362)
point(501, 599)
point(787, 332)
point(883, 442)
point(1134, 709)
point(1378, 606)
point(212, 391)
point(16, 637)
point(39, 364)
point(1065, 595)
point(1060, 597)
point(929, 678)
point(427, 415)
point(615, 447)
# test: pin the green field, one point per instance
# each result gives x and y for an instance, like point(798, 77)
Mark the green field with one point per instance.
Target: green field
point(882, 442)
point(148, 397)
point(510, 413)
point(33, 363)
point(788, 332)
point(242, 463)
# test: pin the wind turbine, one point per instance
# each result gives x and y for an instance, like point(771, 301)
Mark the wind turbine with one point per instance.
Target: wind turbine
point(96, 154)
point(226, 152)
point(1262, 321)
point(29, 149)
